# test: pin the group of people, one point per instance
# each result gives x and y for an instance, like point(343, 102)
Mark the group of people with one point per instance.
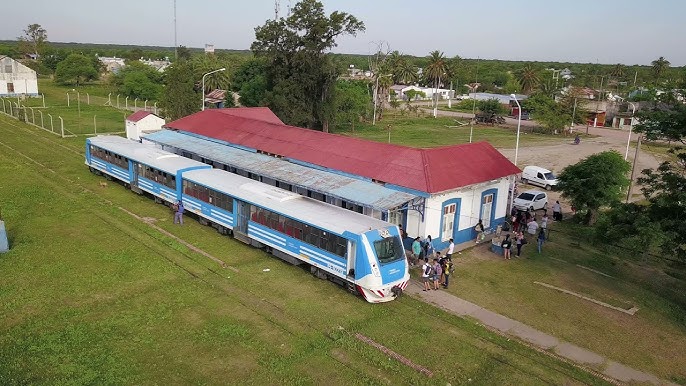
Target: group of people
point(437, 272)
point(525, 222)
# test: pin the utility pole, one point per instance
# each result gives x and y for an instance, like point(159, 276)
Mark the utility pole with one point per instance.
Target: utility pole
point(476, 80)
point(176, 46)
point(633, 169)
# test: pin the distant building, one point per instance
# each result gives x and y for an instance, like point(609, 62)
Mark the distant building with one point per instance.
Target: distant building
point(209, 48)
point(16, 79)
point(159, 65)
point(112, 64)
point(142, 122)
point(401, 92)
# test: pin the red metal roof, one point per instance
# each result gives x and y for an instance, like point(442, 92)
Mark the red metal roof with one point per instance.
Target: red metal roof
point(263, 114)
point(138, 115)
point(427, 170)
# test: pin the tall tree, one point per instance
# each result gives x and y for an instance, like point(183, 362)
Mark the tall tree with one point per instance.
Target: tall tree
point(659, 66)
point(34, 39)
point(528, 78)
point(594, 182)
point(75, 69)
point(180, 96)
point(435, 71)
point(250, 81)
point(301, 76)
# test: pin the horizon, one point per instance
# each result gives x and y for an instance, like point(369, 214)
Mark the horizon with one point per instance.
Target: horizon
point(550, 33)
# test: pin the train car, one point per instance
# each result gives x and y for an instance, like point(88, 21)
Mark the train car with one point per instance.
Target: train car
point(362, 253)
point(358, 251)
point(143, 168)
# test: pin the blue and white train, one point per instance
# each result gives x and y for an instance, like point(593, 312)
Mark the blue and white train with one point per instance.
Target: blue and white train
point(364, 254)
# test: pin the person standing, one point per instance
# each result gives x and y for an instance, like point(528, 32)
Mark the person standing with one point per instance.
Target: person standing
point(506, 245)
point(426, 273)
point(447, 271)
point(451, 249)
point(416, 250)
point(429, 247)
point(438, 272)
point(479, 228)
point(532, 226)
point(557, 211)
point(520, 240)
point(544, 224)
point(541, 239)
point(178, 216)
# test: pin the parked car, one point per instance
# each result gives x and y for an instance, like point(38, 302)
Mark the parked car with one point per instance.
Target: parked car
point(535, 175)
point(531, 200)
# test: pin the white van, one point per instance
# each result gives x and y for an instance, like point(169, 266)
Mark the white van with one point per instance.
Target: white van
point(535, 175)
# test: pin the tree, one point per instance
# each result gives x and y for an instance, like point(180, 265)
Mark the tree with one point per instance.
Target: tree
point(528, 78)
point(138, 80)
point(75, 69)
point(183, 53)
point(665, 188)
point(594, 182)
point(301, 76)
point(250, 81)
point(436, 70)
point(659, 66)
point(179, 96)
point(351, 102)
point(491, 107)
point(34, 39)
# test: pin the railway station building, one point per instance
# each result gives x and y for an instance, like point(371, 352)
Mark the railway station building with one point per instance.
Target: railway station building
point(441, 192)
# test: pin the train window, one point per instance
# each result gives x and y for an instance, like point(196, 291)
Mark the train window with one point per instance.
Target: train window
point(389, 249)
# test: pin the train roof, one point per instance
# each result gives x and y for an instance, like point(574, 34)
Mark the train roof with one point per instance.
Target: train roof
point(309, 210)
point(146, 154)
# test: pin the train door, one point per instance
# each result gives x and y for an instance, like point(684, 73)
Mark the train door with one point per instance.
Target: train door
point(134, 177)
point(242, 217)
point(351, 260)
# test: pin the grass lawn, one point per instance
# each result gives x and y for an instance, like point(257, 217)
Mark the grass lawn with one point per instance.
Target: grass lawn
point(78, 118)
point(653, 340)
point(92, 295)
point(442, 131)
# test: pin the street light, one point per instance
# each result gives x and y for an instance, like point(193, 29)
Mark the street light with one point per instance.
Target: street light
point(519, 125)
point(203, 86)
point(628, 141)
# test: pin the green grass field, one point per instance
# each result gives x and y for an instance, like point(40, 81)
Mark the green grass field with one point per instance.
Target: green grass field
point(92, 295)
point(79, 118)
point(653, 340)
point(428, 131)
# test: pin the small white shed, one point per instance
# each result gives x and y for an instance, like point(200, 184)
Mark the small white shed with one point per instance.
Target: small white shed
point(141, 123)
point(16, 79)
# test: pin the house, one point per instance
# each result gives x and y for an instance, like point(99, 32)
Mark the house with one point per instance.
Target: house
point(441, 192)
point(159, 65)
point(142, 122)
point(401, 92)
point(16, 79)
point(112, 64)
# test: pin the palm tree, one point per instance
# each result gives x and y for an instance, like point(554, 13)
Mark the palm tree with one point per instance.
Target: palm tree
point(618, 70)
point(528, 79)
point(404, 72)
point(436, 70)
point(659, 66)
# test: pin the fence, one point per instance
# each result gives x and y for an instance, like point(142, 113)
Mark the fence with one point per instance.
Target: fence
point(54, 122)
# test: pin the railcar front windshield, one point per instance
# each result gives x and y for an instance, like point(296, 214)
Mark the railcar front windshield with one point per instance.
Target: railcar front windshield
point(389, 249)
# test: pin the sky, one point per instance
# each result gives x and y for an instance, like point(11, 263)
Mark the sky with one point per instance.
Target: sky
point(586, 31)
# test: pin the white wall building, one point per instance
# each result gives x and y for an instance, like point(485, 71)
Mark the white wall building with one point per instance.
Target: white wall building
point(141, 123)
point(16, 79)
point(401, 90)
